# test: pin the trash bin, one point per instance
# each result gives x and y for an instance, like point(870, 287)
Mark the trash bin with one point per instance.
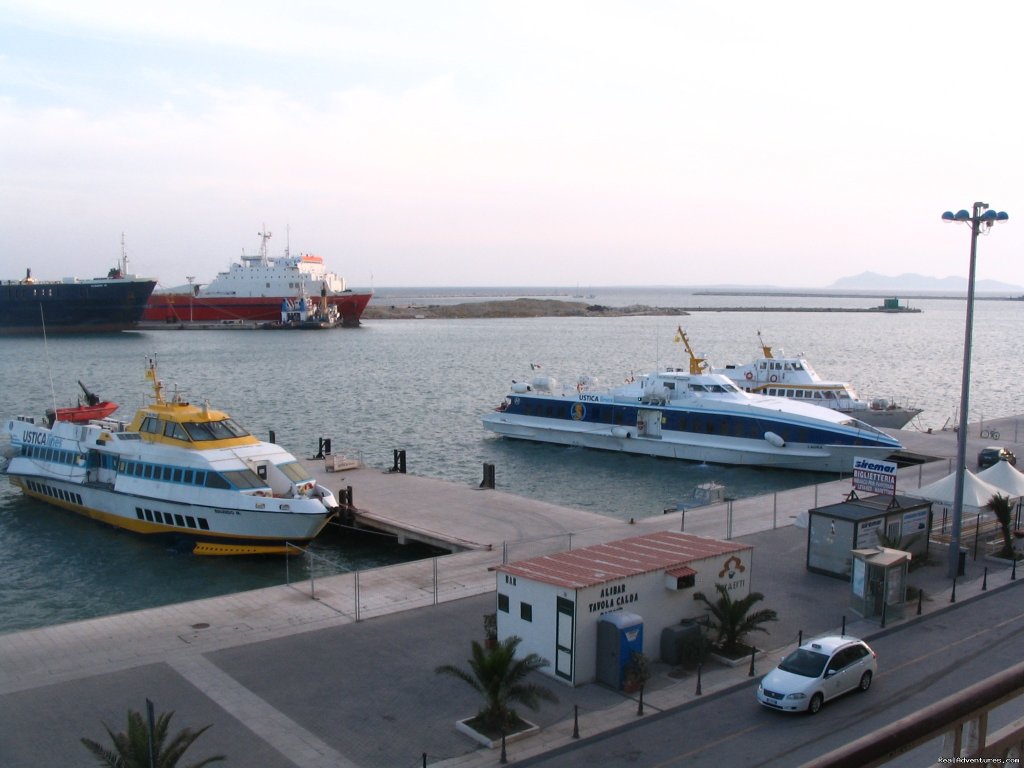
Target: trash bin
point(961, 563)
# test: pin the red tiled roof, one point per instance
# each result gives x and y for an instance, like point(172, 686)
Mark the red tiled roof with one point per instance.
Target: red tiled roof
point(590, 566)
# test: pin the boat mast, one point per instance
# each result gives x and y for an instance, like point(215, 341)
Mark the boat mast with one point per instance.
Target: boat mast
point(264, 236)
point(766, 351)
point(124, 258)
point(697, 364)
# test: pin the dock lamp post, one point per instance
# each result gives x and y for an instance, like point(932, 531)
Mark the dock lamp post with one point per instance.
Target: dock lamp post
point(980, 221)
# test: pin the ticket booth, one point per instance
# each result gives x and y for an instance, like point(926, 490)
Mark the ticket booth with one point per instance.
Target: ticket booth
point(879, 582)
point(835, 530)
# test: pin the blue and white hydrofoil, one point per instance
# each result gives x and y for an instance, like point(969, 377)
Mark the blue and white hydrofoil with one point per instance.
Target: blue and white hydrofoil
point(691, 415)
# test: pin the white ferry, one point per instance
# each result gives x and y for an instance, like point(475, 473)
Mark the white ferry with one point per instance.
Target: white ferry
point(691, 415)
point(186, 474)
point(794, 378)
point(252, 290)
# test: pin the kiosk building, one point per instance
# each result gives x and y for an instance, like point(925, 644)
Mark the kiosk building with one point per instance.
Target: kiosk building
point(630, 590)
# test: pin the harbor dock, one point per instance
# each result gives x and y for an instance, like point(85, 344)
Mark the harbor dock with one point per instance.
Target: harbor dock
point(339, 670)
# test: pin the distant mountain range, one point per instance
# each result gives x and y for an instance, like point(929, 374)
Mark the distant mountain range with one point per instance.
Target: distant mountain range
point(872, 281)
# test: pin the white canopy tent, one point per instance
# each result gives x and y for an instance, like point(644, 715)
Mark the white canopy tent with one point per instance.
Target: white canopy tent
point(977, 492)
point(1006, 477)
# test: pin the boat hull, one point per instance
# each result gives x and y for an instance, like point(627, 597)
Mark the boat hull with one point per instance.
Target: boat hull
point(85, 306)
point(887, 418)
point(231, 531)
point(175, 308)
point(699, 448)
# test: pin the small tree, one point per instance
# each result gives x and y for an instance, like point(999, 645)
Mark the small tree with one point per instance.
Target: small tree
point(999, 505)
point(499, 676)
point(732, 619)
point(131, 748)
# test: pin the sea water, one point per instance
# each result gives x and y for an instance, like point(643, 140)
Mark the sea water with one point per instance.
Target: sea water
point(423, 386)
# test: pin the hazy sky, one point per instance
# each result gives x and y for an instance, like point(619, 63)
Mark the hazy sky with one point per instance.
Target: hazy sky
point(524, 143)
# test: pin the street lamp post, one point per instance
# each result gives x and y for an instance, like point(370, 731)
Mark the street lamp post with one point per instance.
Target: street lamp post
point(980, 222)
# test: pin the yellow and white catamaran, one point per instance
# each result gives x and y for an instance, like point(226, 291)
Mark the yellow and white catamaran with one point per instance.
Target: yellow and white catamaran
point(184, 473)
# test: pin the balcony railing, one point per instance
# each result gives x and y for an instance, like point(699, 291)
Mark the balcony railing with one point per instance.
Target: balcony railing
point(959, 720)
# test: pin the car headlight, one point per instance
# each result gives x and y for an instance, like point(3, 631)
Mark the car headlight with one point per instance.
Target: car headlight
point(796, 696)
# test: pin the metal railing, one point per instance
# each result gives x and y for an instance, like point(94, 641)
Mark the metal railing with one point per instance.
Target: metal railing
point(960, 721)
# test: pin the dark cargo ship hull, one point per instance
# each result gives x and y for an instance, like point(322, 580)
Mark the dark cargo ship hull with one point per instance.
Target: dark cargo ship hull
point(82, 306)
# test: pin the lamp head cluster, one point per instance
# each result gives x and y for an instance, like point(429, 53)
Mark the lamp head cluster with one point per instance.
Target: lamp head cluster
point(981, 219)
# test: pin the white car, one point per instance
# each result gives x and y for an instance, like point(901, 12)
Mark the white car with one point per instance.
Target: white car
point(817, 671)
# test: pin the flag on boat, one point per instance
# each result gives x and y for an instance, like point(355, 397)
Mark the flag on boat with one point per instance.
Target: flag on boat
point(679, 335)
point(534, 366)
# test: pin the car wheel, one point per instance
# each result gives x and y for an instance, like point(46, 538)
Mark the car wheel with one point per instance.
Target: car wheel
point(815, 706)
point(865, 681)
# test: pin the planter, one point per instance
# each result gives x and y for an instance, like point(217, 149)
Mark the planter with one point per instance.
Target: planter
point(739, 661)
point(463, 726)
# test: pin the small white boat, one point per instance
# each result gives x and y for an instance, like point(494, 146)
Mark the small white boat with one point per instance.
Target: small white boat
point(794, 378)
point(182, 473)
point(688, 414)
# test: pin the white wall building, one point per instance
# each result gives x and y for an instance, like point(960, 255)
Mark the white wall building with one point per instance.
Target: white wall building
point(555, 602)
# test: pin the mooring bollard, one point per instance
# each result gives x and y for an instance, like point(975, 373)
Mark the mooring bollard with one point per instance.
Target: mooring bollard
point(488, 481)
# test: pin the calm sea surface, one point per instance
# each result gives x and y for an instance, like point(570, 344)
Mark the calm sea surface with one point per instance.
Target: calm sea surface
point(423, 386)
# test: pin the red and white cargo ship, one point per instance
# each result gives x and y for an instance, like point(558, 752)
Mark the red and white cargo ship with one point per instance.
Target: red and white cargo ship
point(252, 291)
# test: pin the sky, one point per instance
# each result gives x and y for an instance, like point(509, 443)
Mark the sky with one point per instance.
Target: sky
point(554, 143)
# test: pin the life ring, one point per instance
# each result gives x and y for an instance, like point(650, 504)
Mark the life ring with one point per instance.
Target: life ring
point(748, 375)
point(773, 378)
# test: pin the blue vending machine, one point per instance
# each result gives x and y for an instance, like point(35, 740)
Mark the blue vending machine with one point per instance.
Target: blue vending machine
point(619, 634)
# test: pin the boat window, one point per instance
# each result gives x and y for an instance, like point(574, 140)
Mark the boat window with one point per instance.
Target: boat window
point(158, 516)
point(697, 388)
point(295, 471)
point(188, 477)
point(797, 367)
point(213, 480)
point(243, 479)
point(200, 477)
point(830, 395)
point(173, 430)
point(151, 425)
point(179, 520)
point(214, 430)
point(203, 525)
point(177, 476)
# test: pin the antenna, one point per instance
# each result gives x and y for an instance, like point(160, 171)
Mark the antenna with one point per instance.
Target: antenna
point(46, 354)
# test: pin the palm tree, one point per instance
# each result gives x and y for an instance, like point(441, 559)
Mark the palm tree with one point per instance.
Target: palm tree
point(999, 505)
point(131, 748)
point(499, 676)
point(732, 619)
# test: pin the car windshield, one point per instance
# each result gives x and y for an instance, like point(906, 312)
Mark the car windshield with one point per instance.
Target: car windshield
point(804, 662)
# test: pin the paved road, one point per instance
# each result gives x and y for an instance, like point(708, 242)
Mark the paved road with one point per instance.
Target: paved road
point(919, 663)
